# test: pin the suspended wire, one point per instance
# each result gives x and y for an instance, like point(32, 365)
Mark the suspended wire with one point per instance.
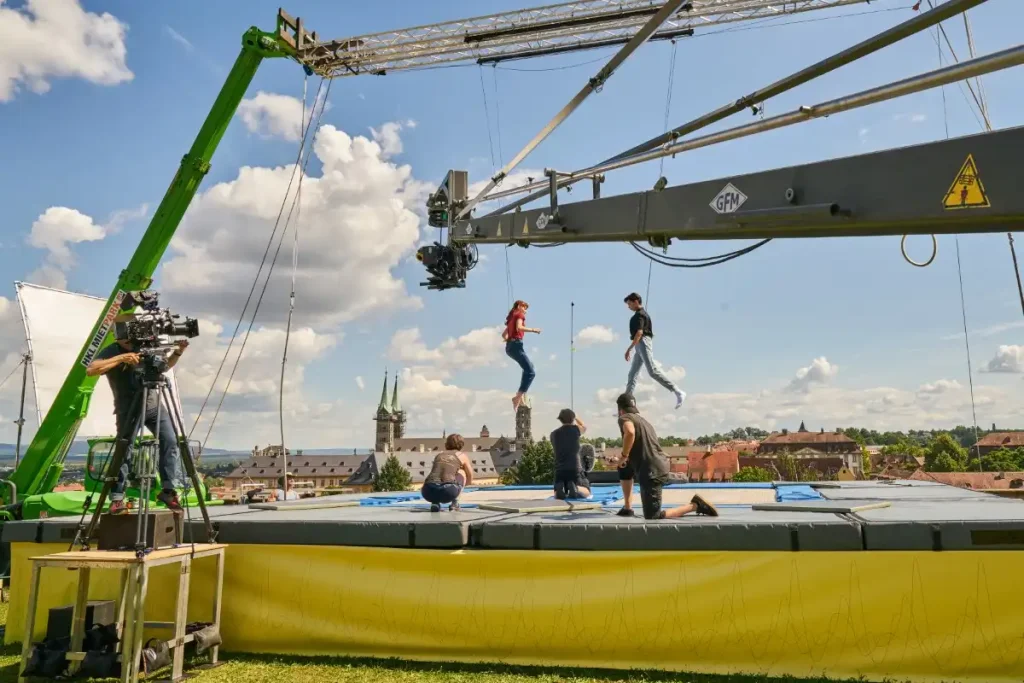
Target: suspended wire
point(497, 114)
point(487, 116)
point(270, 270)
point(266, 252)
point(11, 373)
point(508, 280)
point(704, 262)
point(959, 269)
point(661, 162)
point(291, 298)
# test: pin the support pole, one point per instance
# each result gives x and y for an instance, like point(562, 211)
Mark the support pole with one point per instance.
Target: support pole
point(25, 360)
point(572, 355)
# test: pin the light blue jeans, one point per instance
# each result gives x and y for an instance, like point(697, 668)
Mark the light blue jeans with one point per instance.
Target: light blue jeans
point(643, 356)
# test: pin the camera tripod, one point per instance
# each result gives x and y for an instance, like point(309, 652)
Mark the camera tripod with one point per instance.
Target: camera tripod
point(153, 381)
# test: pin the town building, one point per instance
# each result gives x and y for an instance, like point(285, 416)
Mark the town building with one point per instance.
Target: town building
point(490, 455)
point(822, 451)
point(998, 440)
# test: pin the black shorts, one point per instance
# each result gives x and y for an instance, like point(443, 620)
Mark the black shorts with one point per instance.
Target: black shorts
point(650, 493)
point(568, 483)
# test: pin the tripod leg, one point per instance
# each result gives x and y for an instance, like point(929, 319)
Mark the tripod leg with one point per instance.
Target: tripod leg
point(144, 467)
point(124, 442)
point(186, 461)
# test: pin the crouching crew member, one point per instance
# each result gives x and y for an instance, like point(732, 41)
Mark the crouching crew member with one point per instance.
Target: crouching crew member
point(643, 460)
point(450, 473)
point(570, 480)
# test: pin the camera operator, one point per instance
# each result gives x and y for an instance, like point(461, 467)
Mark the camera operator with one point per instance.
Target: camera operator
point(117, 362)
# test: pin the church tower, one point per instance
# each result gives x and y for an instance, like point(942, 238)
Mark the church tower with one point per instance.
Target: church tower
point(524, 419)
point(397, 414)
point(385, 441)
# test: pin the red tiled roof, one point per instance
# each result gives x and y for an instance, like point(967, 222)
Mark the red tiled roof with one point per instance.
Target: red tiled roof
point(809, 438)
point(1002, 440)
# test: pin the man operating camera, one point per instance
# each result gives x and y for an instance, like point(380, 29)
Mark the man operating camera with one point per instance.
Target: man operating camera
point(118, 362)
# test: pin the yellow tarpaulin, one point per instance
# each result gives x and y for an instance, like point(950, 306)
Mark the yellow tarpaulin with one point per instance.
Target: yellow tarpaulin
point(922, 616)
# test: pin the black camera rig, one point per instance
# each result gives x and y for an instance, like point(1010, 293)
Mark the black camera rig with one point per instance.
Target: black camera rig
point(153, 327)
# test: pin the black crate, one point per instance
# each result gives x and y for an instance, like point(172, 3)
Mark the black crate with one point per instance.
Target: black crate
point(117, 532)
point(98, 612)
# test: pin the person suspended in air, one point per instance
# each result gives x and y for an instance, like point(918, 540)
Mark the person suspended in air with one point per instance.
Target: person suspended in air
point(450, 473)
point(641, 338)
point(515, 330)
point(570, 472)
point(643, 460)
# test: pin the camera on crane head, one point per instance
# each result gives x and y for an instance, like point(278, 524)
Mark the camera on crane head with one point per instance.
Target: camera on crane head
point(447, 264)
point(152, 331)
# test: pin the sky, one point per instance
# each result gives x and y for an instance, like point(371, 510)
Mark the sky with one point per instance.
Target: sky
point(99, 101)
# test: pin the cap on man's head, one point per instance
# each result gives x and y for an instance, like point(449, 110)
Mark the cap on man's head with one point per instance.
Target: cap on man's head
point(626, 402)
point(633, 296)
point(566, 416)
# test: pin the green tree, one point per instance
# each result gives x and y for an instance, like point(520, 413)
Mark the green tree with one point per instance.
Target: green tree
point(1001, 460)
point(751, 474)
point(536, 466)
point(392, 476)
point(945, 454)
point(904, 449)
point(865, 461)
point(213, 481)
point(790, 468)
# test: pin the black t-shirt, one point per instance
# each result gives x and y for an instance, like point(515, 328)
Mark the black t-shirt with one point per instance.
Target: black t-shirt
point(566, 443)
point(640, 321)
point(124, 383)
point(645, 457)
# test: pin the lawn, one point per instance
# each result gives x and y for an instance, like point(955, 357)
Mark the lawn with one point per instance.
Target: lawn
point(274, 669)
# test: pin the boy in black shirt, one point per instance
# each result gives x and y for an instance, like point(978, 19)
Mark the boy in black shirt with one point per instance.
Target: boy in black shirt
point(570, 480)
point(641, 338)
point(643, 459)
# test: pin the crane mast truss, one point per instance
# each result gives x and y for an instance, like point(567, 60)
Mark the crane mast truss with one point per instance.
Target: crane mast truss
point(552, 29)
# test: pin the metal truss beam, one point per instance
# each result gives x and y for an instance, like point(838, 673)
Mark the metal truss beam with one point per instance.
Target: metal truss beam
point(565, 27)
point(963, 185)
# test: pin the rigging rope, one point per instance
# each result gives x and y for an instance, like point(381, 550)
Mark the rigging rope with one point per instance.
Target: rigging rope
point(291, 297)
point(301, 165)
point(256, 279)
point(497, 114)
point(11, 373)
point(661, 162)
point(487, 116)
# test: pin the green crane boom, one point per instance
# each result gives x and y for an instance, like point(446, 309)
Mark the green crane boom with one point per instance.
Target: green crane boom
point(41, 467)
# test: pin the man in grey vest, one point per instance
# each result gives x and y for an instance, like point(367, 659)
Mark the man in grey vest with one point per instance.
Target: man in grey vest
point(643, 460)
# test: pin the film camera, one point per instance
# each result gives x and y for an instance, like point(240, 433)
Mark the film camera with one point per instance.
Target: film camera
point(152, 330)
point(446, 264)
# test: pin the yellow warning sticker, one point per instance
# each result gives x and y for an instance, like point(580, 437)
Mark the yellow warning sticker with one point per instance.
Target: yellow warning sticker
point(967, 190)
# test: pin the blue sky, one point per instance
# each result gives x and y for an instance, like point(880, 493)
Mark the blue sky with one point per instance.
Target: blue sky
point(833, 332)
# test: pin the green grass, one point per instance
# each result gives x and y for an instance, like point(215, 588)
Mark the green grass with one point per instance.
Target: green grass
point(276, 669)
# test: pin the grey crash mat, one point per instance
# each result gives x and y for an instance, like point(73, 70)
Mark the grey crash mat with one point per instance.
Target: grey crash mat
point(833, 506)
point(540, 505)
point(307, 504)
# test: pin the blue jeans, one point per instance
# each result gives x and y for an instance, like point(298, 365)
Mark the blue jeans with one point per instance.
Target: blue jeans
point(515, 350)
point(168, 450)
point(644, 357)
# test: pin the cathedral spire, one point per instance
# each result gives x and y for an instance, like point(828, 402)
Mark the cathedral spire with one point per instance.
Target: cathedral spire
point(383, 407)
point(395, 406)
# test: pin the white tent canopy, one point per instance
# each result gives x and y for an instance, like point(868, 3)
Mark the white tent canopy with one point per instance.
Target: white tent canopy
point(57, 323)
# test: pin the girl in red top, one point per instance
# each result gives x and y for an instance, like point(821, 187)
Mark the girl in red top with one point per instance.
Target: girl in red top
point(515, 329)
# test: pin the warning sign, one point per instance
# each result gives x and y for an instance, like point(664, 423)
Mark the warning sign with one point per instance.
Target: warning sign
point(967, 190)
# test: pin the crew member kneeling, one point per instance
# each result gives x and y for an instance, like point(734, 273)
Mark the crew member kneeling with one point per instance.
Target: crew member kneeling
point(117, 362)
point(450, 473)
point(570, 479)
point(643, 460)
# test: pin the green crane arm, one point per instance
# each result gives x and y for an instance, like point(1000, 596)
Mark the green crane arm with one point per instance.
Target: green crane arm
point(41, 467)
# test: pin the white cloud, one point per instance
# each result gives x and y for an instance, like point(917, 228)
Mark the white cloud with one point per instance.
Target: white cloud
point(512, 180)
point(594, 335)
point(1008, 358)
point(59, 228)
point(477, 348)
point(553, 357)
point(676, 373)
point(940, 387)
point(989, 331)
point(911, 117)
point(358, 221)
point(275, 115)
point(387, 136)
point(820, 371)
point(49, 39)
point(179, 39)
point(360, 383)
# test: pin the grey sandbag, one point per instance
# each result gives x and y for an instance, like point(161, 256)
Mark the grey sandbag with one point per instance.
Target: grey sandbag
point(207, 637)
point(155, 656)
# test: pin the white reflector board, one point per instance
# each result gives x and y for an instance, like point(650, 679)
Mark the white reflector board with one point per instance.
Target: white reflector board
point(57, 323)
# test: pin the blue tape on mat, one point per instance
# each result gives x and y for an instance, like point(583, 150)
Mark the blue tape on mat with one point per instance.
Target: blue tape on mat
point(792, 493)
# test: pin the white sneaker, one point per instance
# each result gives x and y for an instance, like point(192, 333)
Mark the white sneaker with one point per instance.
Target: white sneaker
point(680, 397)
